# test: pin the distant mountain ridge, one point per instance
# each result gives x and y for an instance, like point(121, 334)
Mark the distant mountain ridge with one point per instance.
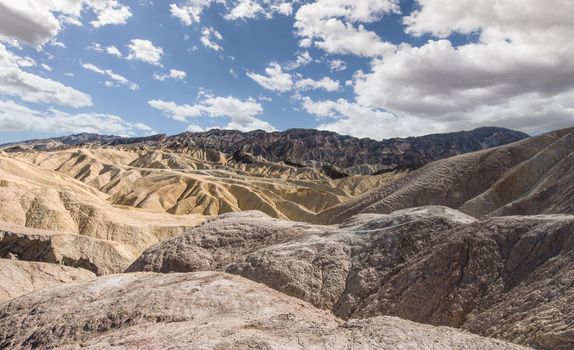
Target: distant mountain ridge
point(305, 147)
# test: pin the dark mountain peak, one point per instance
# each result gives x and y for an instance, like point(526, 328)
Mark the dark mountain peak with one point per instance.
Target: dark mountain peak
point(309, 147)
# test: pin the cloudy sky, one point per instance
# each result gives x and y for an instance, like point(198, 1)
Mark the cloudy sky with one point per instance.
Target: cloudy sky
point(367, 68)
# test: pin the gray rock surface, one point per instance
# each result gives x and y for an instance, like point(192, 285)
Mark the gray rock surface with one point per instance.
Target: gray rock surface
point(507, 277)
point(205, 310)
point(21, 277)
point(218, 242)
point(333, 267)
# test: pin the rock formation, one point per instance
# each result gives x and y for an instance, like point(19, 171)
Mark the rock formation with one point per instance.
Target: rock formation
point(532, 172)
point(508, 277)
point(303, 253)
point(22, 277)
point(203, 310)
point(96, 255)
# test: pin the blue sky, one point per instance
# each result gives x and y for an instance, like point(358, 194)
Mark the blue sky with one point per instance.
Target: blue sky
point(368, 68)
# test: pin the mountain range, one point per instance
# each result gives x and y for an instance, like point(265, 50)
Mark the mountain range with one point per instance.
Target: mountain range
point(294, 239)
point(305, 147)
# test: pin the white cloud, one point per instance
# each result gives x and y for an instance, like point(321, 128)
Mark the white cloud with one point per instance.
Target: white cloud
point(243, 113)
point(349, 118)
point(173, 74)
point(284, 8)
point(56, 43)
point(36, 22)
point(24, 62)
point(32, 88)
point(96, 47)
point(325, 83)
point(336, 26)
point(110, 12)
point(195, 128)
point(302, 59)
point(274, 79)
point(46, 67)
point(116, 78)
point(337, 65)
point(247, 9)
point(516, 75)
point(511, 17)
point(15, 117)
point(208, 38)
point(189, 11)
point(175, 111)
point(244, 9)
point(112, 50)
point(144, 50)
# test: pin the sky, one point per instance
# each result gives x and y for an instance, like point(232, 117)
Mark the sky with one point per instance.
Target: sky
point(366, 68)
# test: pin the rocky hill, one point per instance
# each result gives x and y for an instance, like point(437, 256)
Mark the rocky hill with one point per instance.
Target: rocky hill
point(276, 253)
point(531, 176)
point(203, 310)
point(305, 147)
point(507, 277)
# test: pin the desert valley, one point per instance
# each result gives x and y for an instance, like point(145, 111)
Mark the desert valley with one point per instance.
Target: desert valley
point(274, 240)
point(286, 174)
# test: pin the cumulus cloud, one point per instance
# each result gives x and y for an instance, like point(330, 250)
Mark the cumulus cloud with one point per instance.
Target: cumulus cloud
point(242, 113)
point(32, 88)
point(175, 111)
point(116, 79)
point(350, 118)
point(173, 74)
point(325, 83)
point(36, 22)
point(144, 50)
point(515, 75)
point(112, 50)
point(337, 65)
point(209, 36)
point(246, 9)
point(189, 12)
point(336, 26)
point(195, 128)
point(110, 12)
point(274, 79)
point(302, 59)
point(15, 117)
point(56, 43)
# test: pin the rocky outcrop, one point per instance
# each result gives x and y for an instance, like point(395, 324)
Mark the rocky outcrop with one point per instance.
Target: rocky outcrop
point(98, 256)
point(550, 183)
point(507, 277)
point(218, 242)
point(203, 310)
point(310, 147)
point(331, 267)
point(22, 277)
